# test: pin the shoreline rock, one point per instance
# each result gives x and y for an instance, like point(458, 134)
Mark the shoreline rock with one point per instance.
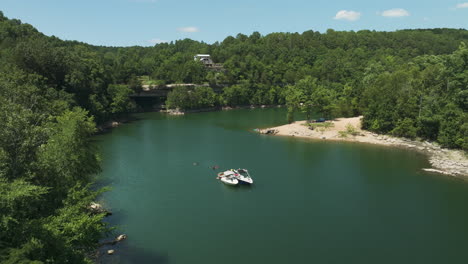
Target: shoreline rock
point(120, 238)
point(116, 240)
point(437, 171)
point(107, 249)
point(175, 112)
point(96, 208)
point(268, 131)
point(114, 123)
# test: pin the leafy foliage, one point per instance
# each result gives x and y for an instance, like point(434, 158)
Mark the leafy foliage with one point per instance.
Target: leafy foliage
point(46, 158)
point(423, 98)
point(185, 98)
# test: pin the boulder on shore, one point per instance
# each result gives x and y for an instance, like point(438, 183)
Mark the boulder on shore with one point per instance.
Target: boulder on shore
point(116, 240)
point(120, 238)
point(437, 171)
point(269, 131)
point(175, 112)
point(96, 208)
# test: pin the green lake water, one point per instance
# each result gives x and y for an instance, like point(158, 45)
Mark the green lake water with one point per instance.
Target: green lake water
point(312, 201)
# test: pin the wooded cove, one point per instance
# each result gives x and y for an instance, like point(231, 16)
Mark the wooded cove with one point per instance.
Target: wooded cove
point(53, 93)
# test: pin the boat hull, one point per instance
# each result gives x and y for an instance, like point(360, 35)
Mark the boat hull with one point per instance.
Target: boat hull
point(244, 182)
point(231, 182)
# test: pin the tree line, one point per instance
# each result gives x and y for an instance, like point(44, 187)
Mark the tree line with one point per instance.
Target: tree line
point(426, 97)
point(409, 83)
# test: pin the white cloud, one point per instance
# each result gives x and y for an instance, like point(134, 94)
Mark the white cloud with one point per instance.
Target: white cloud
point(396, 12)
point(188, 29)
point(462, 5)
point(157, 41)
point(347, 15)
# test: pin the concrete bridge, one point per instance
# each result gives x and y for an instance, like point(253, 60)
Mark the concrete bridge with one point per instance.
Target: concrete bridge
point(154, 98)
point(162, 91)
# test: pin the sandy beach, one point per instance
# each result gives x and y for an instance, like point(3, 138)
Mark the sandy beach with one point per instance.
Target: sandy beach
point(443, 161)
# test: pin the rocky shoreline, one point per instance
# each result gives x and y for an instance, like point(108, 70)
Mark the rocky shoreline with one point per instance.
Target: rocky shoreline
point(444, 161)
point(115, 122)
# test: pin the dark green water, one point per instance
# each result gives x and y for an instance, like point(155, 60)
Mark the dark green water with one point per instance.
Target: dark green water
point(312, 202)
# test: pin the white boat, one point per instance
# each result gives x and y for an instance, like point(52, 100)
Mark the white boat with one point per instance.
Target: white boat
point(228, 177)
point(243, 176)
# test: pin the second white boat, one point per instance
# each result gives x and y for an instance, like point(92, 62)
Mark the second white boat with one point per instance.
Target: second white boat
point(228, 177)
point(243, 176)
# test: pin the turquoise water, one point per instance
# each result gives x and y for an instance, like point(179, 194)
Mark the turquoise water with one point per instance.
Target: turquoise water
point(312, 201)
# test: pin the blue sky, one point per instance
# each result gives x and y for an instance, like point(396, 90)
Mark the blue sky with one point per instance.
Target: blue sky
point(143, 22)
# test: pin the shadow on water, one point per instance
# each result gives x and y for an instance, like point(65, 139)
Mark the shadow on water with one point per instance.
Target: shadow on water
point(115, 220)
point(127, 254)
point(238, 187)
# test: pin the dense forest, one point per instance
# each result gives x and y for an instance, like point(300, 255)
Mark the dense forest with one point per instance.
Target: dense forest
point(411, 83)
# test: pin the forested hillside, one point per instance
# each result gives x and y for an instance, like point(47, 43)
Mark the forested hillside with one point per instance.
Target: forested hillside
point(411, 83)
point(47, 161)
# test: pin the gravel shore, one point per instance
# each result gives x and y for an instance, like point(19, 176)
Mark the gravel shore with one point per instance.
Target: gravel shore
point(444, 161)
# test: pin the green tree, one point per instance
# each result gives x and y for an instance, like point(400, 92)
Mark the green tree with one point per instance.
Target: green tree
point(309, 96)
point(204, 97)
point(236, 95)
point(120, 99)
point(451, 127)
point(68, 157)
point(179, 97)
point(405, 128)
point(134, 84)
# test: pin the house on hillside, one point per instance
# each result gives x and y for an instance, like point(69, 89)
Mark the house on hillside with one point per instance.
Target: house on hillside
point(205, 59)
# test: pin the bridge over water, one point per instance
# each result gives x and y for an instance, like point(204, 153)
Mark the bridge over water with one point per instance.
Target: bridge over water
point(154, 98)
point(162, 91)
